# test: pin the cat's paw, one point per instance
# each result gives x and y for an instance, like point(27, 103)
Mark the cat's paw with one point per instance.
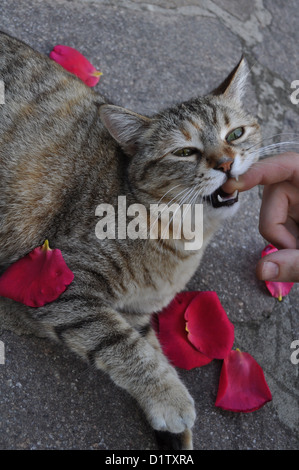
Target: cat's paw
point(172, 409)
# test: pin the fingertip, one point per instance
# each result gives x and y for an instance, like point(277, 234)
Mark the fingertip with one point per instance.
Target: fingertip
point(280, 266)
point(267, 270)
point(231, 185)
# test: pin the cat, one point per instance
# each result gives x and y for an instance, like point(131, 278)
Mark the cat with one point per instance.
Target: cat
point(63, 151)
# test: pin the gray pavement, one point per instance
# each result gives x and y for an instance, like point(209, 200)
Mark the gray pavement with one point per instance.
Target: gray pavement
point(151, 55)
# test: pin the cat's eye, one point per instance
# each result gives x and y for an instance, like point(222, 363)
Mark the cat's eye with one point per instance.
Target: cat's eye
point(185, 152)
point(235, 134)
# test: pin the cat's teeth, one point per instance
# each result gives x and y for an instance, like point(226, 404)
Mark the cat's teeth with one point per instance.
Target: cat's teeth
point(223, 199)
point(237, 178)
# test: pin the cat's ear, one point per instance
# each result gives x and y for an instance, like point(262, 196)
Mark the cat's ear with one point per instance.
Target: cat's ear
point(125, 126)
point(233, 86)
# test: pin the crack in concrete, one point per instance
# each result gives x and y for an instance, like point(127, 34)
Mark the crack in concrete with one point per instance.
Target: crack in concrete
point(250, 30)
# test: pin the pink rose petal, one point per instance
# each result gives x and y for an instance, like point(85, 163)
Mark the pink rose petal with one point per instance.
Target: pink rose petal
point(73, 61)
point(276, 289)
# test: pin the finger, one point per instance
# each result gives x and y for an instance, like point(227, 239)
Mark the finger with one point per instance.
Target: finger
point(272, 170)
point(280, 266)
point(274, 216)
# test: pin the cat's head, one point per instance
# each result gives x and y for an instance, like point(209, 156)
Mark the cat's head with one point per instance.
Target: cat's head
point(186, 153)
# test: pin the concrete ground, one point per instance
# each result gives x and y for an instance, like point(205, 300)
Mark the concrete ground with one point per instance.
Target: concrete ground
point(151, 55)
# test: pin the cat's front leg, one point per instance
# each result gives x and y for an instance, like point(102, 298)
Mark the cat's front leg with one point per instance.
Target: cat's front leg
point(166, 440)
point(104, 338)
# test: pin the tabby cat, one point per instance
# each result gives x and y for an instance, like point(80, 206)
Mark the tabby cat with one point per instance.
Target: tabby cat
point(63, 151)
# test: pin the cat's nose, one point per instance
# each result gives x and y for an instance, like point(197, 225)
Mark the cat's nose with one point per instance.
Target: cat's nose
point(224, 164)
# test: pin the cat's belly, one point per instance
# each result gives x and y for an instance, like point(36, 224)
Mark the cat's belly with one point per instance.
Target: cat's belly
point(152, 298)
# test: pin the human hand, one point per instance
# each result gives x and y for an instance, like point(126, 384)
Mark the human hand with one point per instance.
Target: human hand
point(279, 214)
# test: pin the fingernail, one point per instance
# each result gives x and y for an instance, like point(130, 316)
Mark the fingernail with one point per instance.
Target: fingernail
point(269, 271)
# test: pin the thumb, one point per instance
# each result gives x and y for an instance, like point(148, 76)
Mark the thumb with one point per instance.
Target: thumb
point(283, 265)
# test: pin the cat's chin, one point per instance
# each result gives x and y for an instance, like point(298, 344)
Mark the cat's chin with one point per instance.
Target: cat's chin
point(224, 212)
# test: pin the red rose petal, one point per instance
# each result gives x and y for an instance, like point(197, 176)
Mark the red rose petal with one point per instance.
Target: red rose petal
point(242, 385)
point(209, 329)
point(38, 278)
point(172, 334)
point(276, 289)
point(73, 61)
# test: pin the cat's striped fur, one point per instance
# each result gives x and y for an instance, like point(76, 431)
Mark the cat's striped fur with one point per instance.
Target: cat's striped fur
point(63, 152)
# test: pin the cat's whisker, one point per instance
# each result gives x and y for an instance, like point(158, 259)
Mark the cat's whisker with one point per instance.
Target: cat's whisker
point(183, 193)
point(277, 145)
point(166, 206)
point(191, 202)
point(293, 134)
point(193, 198)
point(171, 189)
point(256, 166)
point(181, 202)
point(181, 205)
point(184, 197)
point(181, 222)
point(273, 149)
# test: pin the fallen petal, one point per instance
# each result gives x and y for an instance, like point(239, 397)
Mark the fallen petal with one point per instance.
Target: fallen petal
point(172, 334)
point(242, 385)
point(276, 289)
point(209, 329)
point(73, 61)
point(279, 289)
point(269, 249)
point(38, 278)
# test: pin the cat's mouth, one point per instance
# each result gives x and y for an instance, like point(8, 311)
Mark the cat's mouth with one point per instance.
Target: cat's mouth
point(220, 198)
